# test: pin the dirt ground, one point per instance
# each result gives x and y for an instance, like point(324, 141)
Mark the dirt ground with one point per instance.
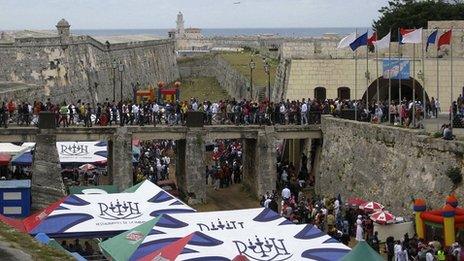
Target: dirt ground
point(233, 197)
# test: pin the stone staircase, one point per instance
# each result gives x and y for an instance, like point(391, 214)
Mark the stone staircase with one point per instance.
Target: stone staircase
point(261, 94)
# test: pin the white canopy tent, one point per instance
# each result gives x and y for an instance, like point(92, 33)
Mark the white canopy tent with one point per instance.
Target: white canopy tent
point(10, 148)
point(259, 234)
point(102, 215)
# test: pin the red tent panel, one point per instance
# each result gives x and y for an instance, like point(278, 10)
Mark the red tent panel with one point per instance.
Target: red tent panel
point(4, 159)
point(170, 251)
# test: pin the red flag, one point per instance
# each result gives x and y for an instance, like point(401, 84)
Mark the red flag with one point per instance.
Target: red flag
point(372, 39)
point(445, 39)
point(404, 31)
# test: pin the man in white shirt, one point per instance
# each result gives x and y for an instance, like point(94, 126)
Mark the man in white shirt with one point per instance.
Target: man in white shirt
point(286, 194)
point(155, 111)
point(195, 106)
point(304, 113)
point(282, 111)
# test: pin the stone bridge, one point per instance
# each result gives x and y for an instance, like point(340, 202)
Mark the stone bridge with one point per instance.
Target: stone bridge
point(259, 153)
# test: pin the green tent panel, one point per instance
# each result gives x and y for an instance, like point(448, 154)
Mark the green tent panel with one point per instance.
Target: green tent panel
point(54, 244)
point(133, 188)
point(122, 246)
point(362, 251)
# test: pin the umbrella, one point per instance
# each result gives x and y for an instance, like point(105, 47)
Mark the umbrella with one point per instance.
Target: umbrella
point(382, 217)
point(356, 201)
point(371, 206)
point(87, 167)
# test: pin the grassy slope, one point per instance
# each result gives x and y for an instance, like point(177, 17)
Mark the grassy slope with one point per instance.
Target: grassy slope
point(204, 88)
point(241, 61)
point(29, 245)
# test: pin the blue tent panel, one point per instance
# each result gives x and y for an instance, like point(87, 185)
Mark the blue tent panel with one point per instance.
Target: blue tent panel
point(24, 159)
point(42, 238)
point(102, 143)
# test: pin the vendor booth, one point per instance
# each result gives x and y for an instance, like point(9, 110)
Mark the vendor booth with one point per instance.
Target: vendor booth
point(15, 198)
point(222, 235)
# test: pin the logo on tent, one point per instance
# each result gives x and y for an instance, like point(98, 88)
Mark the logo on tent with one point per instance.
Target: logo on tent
point(134, 236)
point(126, 210)
point(264, 250)
point(220, 225)
point(75, 150)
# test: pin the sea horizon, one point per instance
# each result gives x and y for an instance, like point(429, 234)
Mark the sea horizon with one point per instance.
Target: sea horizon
point(210, 32)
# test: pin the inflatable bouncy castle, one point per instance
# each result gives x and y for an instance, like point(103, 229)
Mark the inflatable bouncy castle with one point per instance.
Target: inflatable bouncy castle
point(449, 220)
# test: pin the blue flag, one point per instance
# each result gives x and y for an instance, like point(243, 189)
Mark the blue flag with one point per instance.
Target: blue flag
point(431, 39)
point(360, 41)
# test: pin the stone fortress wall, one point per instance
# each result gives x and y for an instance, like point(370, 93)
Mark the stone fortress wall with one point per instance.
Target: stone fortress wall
point(70, 67)
point(386, 164)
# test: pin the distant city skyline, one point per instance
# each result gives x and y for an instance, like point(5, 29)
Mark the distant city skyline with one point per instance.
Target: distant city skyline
point(161, 14)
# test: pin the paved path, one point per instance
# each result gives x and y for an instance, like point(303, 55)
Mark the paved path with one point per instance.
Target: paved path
point(434, 124)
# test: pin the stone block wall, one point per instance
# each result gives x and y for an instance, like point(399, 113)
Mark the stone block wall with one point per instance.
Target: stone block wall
point(386, 164)
point(81, 67)
point(308, 74)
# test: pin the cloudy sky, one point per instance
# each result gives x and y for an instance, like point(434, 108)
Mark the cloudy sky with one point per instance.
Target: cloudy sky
point(122, 14)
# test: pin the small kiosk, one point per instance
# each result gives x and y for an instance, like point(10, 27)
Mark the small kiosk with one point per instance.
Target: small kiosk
point(15, 198)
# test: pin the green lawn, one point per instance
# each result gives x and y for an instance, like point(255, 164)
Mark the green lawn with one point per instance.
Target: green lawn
point(29, 245)
point(241, 62)
point(203, 88)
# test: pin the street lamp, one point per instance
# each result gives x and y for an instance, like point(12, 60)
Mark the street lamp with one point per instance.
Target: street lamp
point(267, 69)
point(121, 70)
point(115, 66)
point(252, 67)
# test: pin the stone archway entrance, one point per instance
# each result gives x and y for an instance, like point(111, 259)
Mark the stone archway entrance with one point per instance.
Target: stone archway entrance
point(406, 90)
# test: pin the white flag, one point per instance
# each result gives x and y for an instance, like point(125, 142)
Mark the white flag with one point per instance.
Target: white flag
point(346, 41)
point(413, 36)
point(383, 43)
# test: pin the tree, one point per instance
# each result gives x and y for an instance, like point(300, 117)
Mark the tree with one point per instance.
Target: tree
point(415, 14)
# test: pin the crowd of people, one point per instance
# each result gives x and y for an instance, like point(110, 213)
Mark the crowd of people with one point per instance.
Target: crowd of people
point(227, 164)
point(233, 111)
point(173, 113)
point(154, 161)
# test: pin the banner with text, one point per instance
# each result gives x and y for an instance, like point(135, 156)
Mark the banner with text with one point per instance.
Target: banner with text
point(396, 69)
point(103, 215)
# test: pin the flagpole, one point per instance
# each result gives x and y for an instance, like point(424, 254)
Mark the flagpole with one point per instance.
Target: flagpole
point(438, 78)
point(356, 80)
point(451, 54)
point(399, 66)
point(414, 85)
point(389, 80)
point(377, 69)
point(424, 107)
point(367, 76)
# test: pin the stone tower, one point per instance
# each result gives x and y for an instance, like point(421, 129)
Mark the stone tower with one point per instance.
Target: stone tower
point(180, 25)
point(63, 28)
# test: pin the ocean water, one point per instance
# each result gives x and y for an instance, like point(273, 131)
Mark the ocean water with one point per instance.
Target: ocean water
point(286, 32)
